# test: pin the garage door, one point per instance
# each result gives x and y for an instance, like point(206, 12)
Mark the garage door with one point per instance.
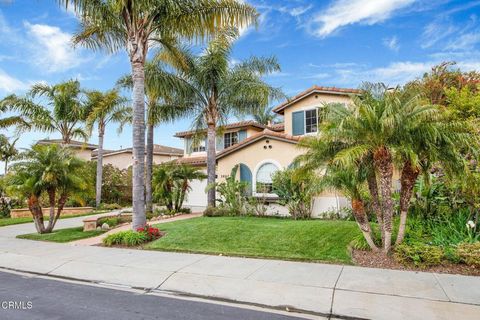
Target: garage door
point(197, 197)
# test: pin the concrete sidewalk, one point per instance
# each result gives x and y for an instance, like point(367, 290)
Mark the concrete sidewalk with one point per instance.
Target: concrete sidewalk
point(322, 289)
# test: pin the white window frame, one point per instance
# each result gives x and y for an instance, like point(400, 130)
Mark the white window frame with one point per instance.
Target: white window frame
point(201, 144)
point(305, 120)
point(254, 177)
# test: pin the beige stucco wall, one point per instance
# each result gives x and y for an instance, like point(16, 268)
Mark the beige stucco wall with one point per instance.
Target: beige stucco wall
point(84, 154)
point(124, 160)
point(281, 153)
point(312, 101)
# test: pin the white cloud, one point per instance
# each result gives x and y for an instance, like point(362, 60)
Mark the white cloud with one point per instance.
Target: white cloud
point(52, 48)
point(10, 84)
point(465, 41)
point(346, 12)
point(391, 43)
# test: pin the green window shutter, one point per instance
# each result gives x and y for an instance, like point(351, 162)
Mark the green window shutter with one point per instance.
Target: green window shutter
point(298, 123)
point(242, 135)
point(188, 145)
point(246, 176)
point(219, 144)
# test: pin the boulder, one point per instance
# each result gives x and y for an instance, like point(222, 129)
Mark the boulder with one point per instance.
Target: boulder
point(105, 226)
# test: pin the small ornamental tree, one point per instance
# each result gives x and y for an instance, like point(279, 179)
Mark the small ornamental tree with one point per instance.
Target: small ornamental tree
point(50, 170)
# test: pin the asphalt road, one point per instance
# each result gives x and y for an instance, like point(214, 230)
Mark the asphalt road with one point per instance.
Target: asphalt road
point(38, 298)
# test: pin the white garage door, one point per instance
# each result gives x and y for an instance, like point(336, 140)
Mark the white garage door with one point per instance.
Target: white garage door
point(197, 197)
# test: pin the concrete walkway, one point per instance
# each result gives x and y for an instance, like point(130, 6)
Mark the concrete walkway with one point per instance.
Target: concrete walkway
point(322, 289)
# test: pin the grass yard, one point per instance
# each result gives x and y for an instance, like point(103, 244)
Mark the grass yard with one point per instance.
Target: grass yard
point(62, 235)
point(312, 240)
point(11, 221)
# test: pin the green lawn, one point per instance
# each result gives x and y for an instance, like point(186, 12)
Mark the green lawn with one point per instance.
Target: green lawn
point(312, 240)
point(11, 221)
point(62, 235)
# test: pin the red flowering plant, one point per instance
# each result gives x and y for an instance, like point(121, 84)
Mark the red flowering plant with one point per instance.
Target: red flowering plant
point(150, 232)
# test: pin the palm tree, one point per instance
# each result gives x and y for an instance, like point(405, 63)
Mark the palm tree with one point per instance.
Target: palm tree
point(219, 91)
point(104, 108)
point(381, 126)
point(160, 88)
point(49, 169)
point(185, 174)
point(133, 25)
point(64, 112)
point(265, 115)
point(9, 121)
point(7, 150)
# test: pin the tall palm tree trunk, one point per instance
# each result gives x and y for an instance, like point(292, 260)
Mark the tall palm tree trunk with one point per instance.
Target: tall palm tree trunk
point(149, 169)
point(211, 163)
point(98, 185)
point(37, 213)
point(360, 215)
point(384, 166)
point(407, 180)
point(138, 190)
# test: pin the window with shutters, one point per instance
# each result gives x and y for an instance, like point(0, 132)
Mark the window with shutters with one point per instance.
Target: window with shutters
point(311, 121)
point(199, 147)
point(229, 139)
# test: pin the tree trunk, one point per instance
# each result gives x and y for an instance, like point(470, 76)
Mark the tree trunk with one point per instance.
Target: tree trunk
point(149, 168)
point(60, 206)
point(37, 213)
point(373, 188)
point(384, 165)
point(407, 181)
point(360, 215)
point(138, 129)
point(183, 193)
point(98, 186)
point(211, 163)
point(51, 216)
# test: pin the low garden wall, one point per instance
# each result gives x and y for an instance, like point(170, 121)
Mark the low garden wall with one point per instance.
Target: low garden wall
point(71, 211)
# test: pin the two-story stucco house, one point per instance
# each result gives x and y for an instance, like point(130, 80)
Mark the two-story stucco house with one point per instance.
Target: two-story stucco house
point(261, 150)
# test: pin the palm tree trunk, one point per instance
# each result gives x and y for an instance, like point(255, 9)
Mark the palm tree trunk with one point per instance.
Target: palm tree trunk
point(37, 213)
point(407, 181)
point(60, 206)
point(51, 216)
point(360, 215)
point(373, 188)
point(138, 177)
point(384, 165)
point(149, 168)
point(211, 163)
point(98, 186)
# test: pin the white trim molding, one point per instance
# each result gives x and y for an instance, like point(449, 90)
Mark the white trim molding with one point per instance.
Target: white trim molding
point(254, 177)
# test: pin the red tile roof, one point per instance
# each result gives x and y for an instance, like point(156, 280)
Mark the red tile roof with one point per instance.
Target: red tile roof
point(193, 161)
point(319, 89)
point(235, 125)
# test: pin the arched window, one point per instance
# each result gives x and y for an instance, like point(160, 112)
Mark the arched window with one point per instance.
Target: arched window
point(264, 177)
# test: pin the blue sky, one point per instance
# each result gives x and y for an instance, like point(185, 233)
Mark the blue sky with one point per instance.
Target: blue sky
point(325, 42)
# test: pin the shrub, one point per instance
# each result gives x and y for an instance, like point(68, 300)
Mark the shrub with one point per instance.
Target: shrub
point(126, 238)
point(216, 212)
point(151, 233)
point(110, 206)
point(233, 194)
point(296, 191)
point(111, 221)
point(421, 255)
point(469, 253)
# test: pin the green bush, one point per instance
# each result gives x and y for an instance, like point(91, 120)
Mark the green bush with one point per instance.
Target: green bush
point(110, 206)
point(469, 253)
point(125, 238)
point(421, 255)
point(111, 221)
point(216, 212)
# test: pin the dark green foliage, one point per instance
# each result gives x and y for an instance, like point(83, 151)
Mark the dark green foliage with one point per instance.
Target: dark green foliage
point(128, 238)
point(116, 185)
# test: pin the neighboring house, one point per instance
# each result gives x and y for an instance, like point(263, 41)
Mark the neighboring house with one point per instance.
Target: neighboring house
point(261, 150)
point(122, 158)
point(82, 150)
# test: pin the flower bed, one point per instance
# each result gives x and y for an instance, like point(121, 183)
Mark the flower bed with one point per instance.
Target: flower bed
point(132, 238)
